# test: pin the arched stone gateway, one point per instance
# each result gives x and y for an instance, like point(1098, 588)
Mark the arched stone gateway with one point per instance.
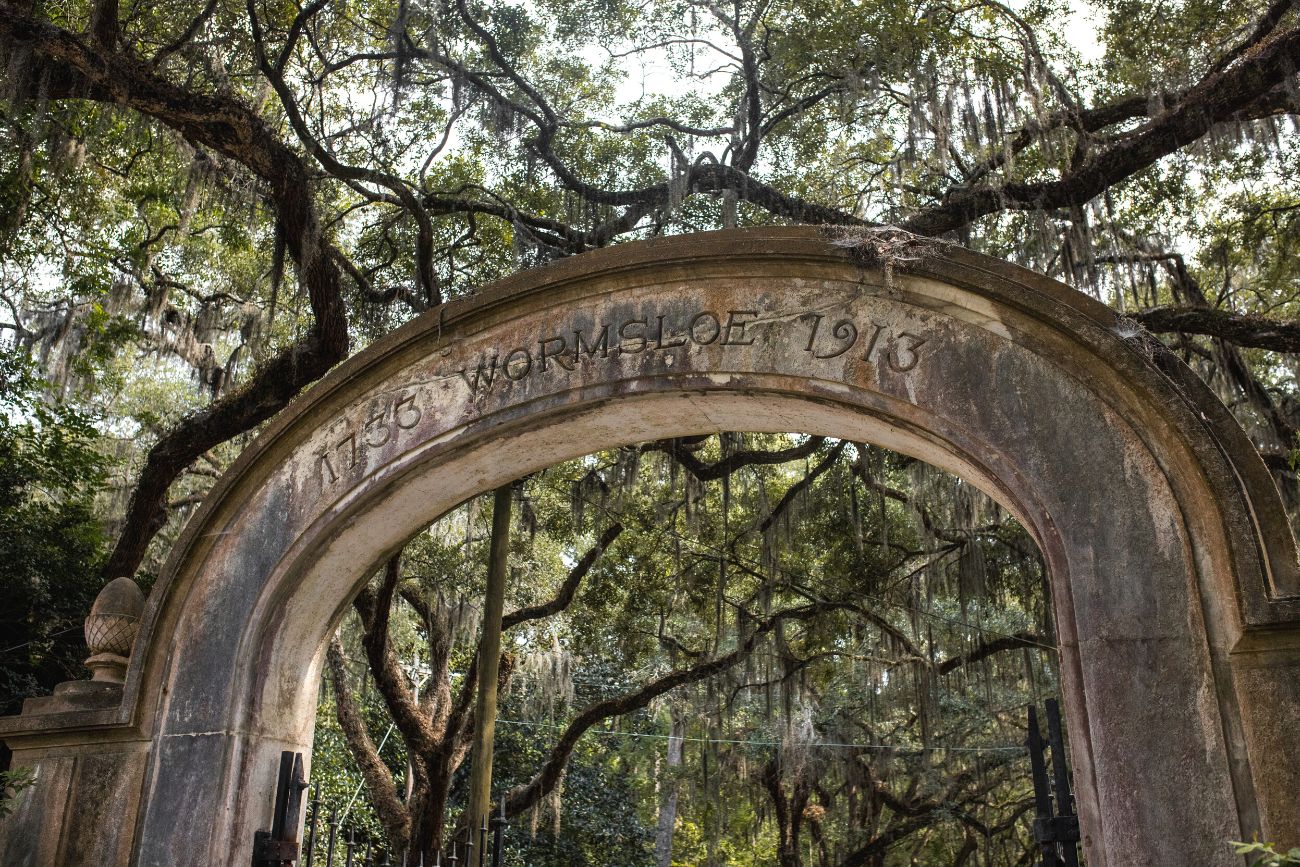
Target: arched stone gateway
point(1174, 573)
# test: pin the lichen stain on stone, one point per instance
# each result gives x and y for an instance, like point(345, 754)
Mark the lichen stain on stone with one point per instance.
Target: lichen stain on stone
point(1146, 478)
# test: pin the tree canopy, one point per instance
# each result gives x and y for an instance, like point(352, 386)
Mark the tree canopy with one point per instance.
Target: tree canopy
point(246, 192)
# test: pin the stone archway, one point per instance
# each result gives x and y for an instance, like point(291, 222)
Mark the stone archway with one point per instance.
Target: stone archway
point(1174, 573)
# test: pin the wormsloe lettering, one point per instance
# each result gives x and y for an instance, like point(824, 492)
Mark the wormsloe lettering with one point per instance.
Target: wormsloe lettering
point(819, 336)
point(892, 347)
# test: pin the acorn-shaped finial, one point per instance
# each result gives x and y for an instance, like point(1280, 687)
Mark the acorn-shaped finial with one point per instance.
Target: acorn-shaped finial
point(111, 628)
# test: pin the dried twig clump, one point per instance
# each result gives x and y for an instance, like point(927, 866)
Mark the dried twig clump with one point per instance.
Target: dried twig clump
point(886, 247)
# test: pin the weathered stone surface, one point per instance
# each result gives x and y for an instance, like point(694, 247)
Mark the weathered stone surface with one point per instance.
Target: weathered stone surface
point(1267, 674)
point(98, 784)
point(27, 837)
point(1158, 522)
point(105, 798)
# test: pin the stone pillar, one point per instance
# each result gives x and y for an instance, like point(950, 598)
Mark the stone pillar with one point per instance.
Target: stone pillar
point(82, 805)
point(1266, 669)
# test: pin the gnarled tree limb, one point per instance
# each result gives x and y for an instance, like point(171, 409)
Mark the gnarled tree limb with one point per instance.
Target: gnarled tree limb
point(1242, 329)
point(76, 69)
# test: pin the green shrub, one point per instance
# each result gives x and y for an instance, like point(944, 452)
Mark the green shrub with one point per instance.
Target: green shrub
point(1268, 856)
point(11, 783)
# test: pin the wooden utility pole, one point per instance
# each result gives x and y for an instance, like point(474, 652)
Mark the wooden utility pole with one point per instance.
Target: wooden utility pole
point(489, 655)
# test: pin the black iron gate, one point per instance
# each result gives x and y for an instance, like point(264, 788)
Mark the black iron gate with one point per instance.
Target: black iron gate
point(1056, 825)
point(331, 844)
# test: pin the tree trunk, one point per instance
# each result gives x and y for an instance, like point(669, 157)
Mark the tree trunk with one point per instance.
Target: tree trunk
point(789, 812)
point(426, 819)
point(489, 655)
point(668, 796)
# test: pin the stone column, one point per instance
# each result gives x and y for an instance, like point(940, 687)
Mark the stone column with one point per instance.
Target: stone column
point(82, 804)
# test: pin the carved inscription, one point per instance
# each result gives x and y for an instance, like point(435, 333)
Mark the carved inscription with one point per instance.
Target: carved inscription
point(825, 338)
point(843, 335)
point(568, 349)
point(822, 338)
point(398, 412)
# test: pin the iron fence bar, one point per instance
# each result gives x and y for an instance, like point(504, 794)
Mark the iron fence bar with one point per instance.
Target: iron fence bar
point(280, 844)
point(1056, 830)
point(1064, 797)
point(333, 825)
point(1042, 793)
point(282, 785)
point(498, 834)
point(311, 830)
